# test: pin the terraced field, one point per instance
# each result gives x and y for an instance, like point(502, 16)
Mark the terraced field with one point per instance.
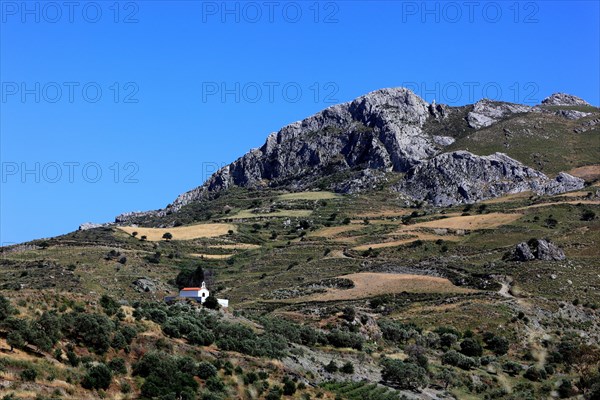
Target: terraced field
point(182, 232)
point(371, 284)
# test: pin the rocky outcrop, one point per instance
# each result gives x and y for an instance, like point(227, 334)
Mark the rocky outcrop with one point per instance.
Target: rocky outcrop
point(486, 112)
point(523, 252)
point(562, 183)
point(547, 251)
point(379, 131)
point(536, 249)
point(572, 114)
point(90, 225)
point(144, 284)
point(564, 99)
point(463, 177)
point(352, 147)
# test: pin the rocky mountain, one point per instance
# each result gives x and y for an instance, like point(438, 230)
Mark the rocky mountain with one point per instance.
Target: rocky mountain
point(355, 146)
point(463, 177)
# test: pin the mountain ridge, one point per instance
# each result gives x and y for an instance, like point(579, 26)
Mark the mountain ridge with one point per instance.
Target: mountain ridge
point(366, 139)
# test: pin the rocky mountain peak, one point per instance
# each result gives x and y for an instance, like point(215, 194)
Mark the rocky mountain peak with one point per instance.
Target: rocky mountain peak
point(351, 147)
point(380, 131)
point(564, 99)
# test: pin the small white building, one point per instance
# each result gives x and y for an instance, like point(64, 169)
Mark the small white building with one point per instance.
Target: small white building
point(195, 292)
point(199, 294)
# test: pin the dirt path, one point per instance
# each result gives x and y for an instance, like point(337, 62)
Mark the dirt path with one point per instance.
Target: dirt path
point(534, 332)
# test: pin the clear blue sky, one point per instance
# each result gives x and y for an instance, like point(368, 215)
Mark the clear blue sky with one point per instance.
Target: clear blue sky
point(187, 86)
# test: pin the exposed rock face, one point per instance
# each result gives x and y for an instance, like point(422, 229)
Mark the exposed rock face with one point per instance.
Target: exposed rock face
point(547, 251)
point(562, 183)
point(378, 131)
point(564, 99)
point(536, 249)
point(89, 225)
point(486, 112)
point(356, 144)
point(144, 285)
point(523, 252)
point(443, 140)
point(463, 177)
point(572, 114)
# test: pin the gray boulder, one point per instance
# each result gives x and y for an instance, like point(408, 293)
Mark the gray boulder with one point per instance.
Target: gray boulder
point(564, 99)
point(144, 285)
point(547, 251)
point(523, 252)
point(536, 249)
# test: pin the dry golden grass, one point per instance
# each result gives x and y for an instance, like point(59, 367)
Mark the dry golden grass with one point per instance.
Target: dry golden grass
point(182, 232)
point(334, 230)
point(414, 236)
point(20, 355)
point(336, 254)
point(212, 256)
point(470, 222)
point(308, 196)
point(588, 173)
point(370, 284)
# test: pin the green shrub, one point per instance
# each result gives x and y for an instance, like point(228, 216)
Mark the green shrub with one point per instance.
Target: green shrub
point(28, 374)
point(471, 347)
point(97, 377)
point(206, 370)
point(338, 338)
point(118, 366)
point(459, 360)
point(347, 368)
point(404, 375)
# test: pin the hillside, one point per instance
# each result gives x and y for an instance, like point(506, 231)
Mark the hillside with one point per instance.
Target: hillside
point(385, 248)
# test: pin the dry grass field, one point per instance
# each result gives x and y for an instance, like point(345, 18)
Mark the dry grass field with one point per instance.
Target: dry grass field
point(370, 284)
point(414, 236)
point(334, 230)
point(212, 256)
point(470, 222)
point(182, 232)
point(588, 173)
